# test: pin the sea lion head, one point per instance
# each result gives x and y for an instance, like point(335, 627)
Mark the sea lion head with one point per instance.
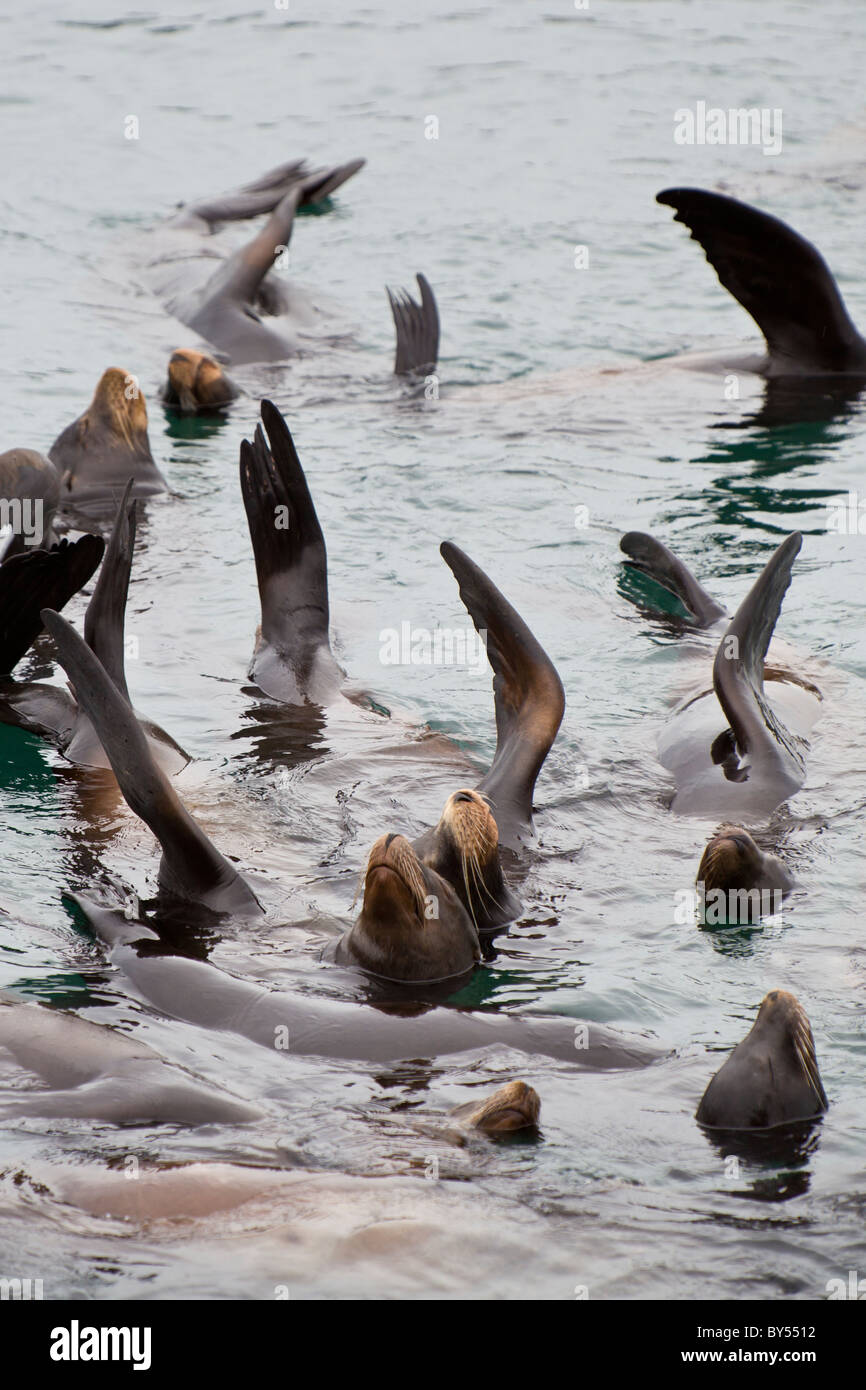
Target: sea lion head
point(197, 382)
point(771, 1077)
point(733, 861)
point(412, 925)
point(118, 408)
point(513, 1106)
point(464, 848)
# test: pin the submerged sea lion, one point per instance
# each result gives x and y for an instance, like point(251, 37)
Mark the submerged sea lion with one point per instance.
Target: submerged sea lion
point(33, 483)
point(514, 1106)
point(201, 993)
point(196, 384)
point(780, 279)
point(95, 1072)
point(47, 709)
point(104, 447)
point(752, 764)
point(771, 1077)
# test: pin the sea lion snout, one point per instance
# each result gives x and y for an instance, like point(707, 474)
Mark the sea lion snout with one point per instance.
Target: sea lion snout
point(394, 873)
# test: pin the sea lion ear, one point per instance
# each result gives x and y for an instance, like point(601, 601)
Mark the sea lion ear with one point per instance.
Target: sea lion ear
point(528, 697)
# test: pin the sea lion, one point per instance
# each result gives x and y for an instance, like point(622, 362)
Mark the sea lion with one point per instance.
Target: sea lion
point(771, 1077)
point(464, 849)
point(195, 1190)
point(514, 1106)
point(104, 447)
point(196, 384)
point(739, 883)
point(229, 308)
point(48, 710)
point(780, 279)
point(95, 1072)
point(29, 496)
point(756, 761)
point(201, 993)
point(412, 925)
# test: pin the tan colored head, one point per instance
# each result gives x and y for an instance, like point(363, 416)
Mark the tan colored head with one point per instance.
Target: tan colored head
point(783, 1011)
point(464, 848)
point(197, 381)
point(514, 1106)
point(730, 858)
point(394, 880)
point(118, 405)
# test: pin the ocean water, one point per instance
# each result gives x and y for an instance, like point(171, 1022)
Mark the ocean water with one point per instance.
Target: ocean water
point(555, 132)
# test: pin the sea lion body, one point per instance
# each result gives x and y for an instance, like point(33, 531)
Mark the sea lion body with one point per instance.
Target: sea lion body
point(771, 1078)
point(737, 749)
point(95, 1072)
point(106, 446)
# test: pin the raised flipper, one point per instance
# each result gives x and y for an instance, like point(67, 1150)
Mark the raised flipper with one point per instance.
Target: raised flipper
point(527, 692)
point(37, 580)
point(293, 659)
point(756, 734)
point(778, 277)
point(191, 867)
point(417, 328)
point(239, 278)
point(648, 555)
point(106, 611)
point(263, 194)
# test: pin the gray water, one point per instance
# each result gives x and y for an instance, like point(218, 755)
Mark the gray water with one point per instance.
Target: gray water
point(555, 130)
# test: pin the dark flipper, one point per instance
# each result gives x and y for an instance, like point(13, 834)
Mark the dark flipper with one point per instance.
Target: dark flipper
point(417, 328)
point(40, 579)
point(738, 670)
point(106, 611)
point(648, 555)
point(290, 555)
point(527, 692)
point(265, 193)
point(777, 276)
point(240, 277)
point(191, 866)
